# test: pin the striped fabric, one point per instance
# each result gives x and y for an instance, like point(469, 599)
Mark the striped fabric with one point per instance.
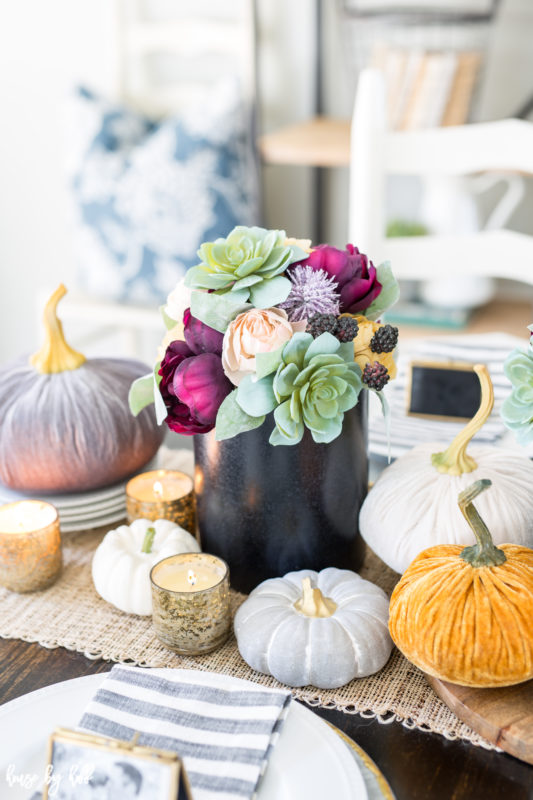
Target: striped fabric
point(223, 728)
point(407, 432)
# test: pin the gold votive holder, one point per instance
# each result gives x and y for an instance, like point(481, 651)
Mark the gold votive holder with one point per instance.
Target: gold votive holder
point(30, 545)
point(162, 494)
point(190, 620)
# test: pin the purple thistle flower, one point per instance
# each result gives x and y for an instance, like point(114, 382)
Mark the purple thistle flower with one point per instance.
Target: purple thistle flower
point(312, 292)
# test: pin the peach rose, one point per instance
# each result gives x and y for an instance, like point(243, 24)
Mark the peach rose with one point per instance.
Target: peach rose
point(255, 331)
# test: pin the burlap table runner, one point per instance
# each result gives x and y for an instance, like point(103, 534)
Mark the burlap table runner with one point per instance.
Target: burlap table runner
point(70, 614)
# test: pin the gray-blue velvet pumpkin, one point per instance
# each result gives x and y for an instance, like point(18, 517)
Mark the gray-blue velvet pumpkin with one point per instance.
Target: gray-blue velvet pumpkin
point(65, 425)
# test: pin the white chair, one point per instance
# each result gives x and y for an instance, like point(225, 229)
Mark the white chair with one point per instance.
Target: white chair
point(504, 146)
point(219, 42)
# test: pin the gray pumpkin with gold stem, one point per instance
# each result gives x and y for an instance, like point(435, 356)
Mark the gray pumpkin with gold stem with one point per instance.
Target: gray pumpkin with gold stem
point(65, 424)
point(413, 504)
point(319, 628)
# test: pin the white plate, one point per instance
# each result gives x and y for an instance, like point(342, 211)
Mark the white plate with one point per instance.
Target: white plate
point(309, 762)
point(85, 524)
point(99, 510)
point(64, 501)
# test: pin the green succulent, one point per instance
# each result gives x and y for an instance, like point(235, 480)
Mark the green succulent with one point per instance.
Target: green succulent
point(248, 263)
point(314, 382)
point(517, 408)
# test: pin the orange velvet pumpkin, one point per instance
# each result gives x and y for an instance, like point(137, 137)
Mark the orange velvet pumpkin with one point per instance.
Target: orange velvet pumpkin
point(464, 615)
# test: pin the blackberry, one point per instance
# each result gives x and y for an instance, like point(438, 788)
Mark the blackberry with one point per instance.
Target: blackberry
point(384, 340)
point(322, 323)
point(375, 375)
point(347, 329)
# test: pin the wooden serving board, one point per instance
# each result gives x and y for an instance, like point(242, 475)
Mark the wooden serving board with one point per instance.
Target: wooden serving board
point(503, 716)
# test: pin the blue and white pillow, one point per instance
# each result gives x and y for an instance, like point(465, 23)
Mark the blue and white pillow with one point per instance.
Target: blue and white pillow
point(148, 194)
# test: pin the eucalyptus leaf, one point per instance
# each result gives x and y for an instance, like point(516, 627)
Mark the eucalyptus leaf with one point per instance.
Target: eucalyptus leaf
point(232, 420)
point(269, 293)
point(141, 393)
point(389, 294)
point(168, 321)
point(217, 310)
point(256, 397)
point(298, 254)
point(267, 363)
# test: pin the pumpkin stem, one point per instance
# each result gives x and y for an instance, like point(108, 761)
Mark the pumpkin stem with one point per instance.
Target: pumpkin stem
point(148, 540)
point(455, 460)
point(484, 553)
point(312, 603)
point(55, 355)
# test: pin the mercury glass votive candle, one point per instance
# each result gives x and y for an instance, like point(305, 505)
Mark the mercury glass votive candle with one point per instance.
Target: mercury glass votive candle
point(162, 494)
point(191, 602)
point(30, 545)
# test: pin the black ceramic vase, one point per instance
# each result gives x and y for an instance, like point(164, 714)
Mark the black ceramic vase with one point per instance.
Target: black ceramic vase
point(269, 510)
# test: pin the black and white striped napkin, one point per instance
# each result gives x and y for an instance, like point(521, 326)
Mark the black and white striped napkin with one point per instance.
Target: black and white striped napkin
point(406, 432)
point(222, 727)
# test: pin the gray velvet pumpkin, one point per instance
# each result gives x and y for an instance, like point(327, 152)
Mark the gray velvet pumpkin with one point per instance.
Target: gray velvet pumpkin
point(65, 424)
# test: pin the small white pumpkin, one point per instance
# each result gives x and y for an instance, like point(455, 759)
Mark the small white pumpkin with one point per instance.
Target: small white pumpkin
point(123, 560)
point(413, 504)
point(315, 628)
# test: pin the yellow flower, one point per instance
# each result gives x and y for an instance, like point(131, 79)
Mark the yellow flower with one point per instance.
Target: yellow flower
point(361, 345)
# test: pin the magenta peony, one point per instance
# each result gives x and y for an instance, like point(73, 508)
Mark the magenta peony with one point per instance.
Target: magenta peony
point(176, 352)
point(200, 385)
point(353, 271)
point(193, 384)
point(200, 337)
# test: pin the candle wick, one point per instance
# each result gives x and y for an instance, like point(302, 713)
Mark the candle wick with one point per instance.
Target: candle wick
point(191, 578)
point(158, 488)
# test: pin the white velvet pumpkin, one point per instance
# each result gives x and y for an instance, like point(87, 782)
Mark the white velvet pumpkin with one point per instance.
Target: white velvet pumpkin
point(288, 629)
point(412, 506)
point(121, 570)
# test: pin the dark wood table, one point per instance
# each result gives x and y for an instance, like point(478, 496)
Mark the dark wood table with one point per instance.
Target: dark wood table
point(418, 766)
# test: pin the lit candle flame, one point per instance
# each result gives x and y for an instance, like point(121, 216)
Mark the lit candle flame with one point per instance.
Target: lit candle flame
point(192, 579)
point(158, 488)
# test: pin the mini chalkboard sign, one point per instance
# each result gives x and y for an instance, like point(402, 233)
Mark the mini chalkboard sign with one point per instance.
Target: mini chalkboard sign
point(444, 391)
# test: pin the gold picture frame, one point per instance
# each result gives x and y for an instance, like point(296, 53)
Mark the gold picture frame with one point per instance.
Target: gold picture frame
point(119, 768)
point(452, 366)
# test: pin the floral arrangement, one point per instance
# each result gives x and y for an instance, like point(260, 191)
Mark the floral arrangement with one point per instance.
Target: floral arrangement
point(517, 409)
point(269, 324)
